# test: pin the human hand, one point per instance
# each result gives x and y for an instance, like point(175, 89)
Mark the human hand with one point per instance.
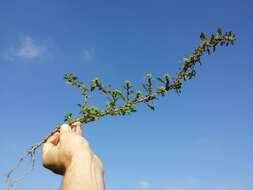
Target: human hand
point(65, 147)
point(68, 153)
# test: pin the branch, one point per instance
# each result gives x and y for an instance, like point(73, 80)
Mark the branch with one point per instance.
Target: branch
point(132, 97)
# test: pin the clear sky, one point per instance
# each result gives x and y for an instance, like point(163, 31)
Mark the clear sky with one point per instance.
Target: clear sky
point(199, 140)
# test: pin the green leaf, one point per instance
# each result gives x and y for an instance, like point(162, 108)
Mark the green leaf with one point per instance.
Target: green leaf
point(149, 76)
point(167, 77)
point(137, 94)
point(160, 80)
point(119, 93)
point(145, 86)
point(128, 84)
point(187, 59)
point(219, 32)
point(202, 36)
point(68, 118)
point(150, 106)
point(161, 90)
point(93, 85)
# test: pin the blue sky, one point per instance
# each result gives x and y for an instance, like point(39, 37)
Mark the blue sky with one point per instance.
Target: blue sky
point(201, 139)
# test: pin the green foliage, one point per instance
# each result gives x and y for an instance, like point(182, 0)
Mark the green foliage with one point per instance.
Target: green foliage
point(123, 102)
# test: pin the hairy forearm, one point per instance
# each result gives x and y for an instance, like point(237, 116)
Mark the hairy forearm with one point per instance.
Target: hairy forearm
point(84, 174)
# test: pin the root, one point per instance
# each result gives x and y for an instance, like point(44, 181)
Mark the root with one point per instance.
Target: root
point(9, 179)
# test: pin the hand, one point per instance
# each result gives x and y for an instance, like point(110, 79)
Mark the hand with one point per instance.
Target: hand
point(65, 147)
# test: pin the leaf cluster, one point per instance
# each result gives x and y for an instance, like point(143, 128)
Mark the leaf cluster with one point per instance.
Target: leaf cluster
point(123, 102)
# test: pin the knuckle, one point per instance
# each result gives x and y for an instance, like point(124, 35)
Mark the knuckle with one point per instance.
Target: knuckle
point(65, 128)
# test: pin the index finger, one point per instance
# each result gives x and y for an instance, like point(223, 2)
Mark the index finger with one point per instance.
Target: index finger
point(78, 123)
point(54, 139)
point(76, 128)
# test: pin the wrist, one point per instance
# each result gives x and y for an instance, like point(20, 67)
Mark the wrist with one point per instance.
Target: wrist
point(76, 155)
point(80, 159)
point(78, 173)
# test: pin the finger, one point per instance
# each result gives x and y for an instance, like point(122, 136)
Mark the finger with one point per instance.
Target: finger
point(46, 146)
point(78, 130)
point(49, 156)
point(54, 139)
point(65, 129)
point(51, 142)
point(74, 125)
point(78, 123)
